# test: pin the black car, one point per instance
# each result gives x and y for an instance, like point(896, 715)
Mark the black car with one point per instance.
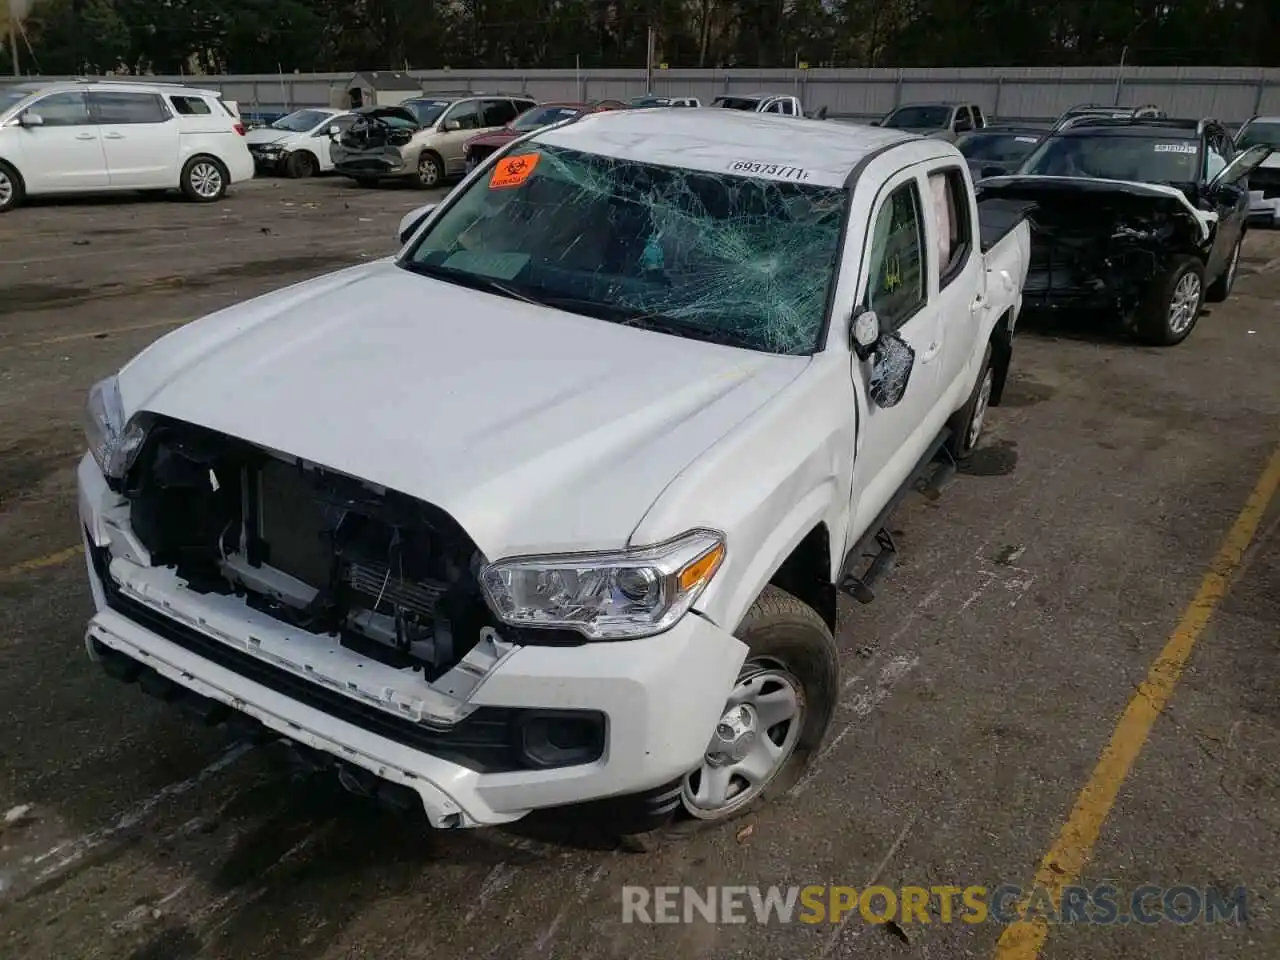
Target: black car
point(996, 150)
point(1141, 218)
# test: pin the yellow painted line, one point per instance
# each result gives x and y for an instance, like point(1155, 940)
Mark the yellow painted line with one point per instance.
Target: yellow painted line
point(95, 334)
point(40, 563)
point(1061, 866)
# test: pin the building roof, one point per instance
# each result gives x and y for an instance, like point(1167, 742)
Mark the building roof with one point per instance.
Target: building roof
point(386, 80)
point(714, 139)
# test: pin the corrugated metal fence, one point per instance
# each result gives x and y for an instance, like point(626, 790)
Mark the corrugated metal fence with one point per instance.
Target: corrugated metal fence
point(1231, 94)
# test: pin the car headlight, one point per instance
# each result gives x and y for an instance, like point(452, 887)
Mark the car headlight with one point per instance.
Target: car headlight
point(606, 596)
point(112, 442)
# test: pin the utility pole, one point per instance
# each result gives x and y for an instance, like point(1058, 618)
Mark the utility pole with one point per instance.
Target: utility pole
point(648, 61)
point(13, 49)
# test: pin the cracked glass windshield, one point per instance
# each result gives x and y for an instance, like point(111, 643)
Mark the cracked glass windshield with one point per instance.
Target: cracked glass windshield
point(711, 256)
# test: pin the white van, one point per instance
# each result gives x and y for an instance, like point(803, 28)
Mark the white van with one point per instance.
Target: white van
point(99, 136)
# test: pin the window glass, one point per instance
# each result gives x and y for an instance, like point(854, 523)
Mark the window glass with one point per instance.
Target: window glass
point(951, 218)
point(978, 118)
point(1214, 158)
point(467, 115)
point(1160, 157)
point(190, 106)
point(111, 107)
point(495, 113)
point(62, 110)
point(896, 286)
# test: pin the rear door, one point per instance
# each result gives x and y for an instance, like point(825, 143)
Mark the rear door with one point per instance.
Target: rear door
point(895, 272)
point(458, 125)
point(139, 136)
point(63, 153)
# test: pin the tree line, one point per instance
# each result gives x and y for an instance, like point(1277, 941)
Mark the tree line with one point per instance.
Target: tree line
point(263, 36)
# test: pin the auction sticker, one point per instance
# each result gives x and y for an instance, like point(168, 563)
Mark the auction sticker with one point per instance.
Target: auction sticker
point(1175, 148)
point(513, 171)
point(777, 170)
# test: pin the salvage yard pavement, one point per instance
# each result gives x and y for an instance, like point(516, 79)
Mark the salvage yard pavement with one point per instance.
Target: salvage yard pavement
point(999, 663)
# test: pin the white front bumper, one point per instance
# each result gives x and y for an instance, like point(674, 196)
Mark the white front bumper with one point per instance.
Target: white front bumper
point(662, 697)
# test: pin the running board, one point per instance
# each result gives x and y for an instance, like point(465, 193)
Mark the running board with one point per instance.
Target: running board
point(931, 474)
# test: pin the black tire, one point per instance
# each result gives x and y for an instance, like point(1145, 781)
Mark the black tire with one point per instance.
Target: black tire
point(964, 436)
point(1220, 289)
point(301, 165)
point(1155, 314)
point(12, 190)
point(781, 633)
point(204, 179)
point(430, 170)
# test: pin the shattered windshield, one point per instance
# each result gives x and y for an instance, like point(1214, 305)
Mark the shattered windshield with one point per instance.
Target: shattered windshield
point(919, 118)
point(1155, 159)
point(300, 121)
point(997, 147)
point(541, 116)
point(1256, 133)
point(709, 256)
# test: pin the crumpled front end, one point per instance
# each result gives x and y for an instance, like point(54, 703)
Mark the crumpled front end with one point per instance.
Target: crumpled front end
point(347, 619)
point(1098, 246)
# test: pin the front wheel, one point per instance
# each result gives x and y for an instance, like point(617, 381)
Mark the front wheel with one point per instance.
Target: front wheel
point(204, 180)
point(775, 716)
point(1169, 313)
point(430, 171)
point(10, 188)
point(301, 165)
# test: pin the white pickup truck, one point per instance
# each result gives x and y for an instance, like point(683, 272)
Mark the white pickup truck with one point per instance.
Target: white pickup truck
point(552, 509)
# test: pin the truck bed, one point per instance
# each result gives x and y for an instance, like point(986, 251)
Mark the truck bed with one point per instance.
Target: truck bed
point(997, 217)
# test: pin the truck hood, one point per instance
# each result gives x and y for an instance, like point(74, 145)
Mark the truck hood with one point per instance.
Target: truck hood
point(1117, 198)
point(538, 430)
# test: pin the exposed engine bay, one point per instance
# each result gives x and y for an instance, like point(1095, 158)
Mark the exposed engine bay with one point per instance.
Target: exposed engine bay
point(1099, 244)
point(393, 578)
point(381, 127)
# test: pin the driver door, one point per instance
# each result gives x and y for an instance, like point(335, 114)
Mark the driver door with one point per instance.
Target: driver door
point(64, 154)
point(1229, 200)
point(895, 284)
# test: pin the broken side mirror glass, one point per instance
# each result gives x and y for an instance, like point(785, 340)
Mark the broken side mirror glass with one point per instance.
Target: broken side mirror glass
point(412, 220)
point(864, 333)
point(334, 130)
point(891, 370)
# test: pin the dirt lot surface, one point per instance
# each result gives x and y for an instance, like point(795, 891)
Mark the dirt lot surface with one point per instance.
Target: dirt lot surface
point(981, 688)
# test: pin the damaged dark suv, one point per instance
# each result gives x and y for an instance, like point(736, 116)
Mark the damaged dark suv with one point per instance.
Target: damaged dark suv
point(1140, 218)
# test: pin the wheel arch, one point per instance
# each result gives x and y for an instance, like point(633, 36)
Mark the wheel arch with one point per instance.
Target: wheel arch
point(805, 574)
point(1001, 354)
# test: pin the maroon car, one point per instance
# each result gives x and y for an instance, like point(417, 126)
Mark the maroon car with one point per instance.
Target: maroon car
point(478, 148)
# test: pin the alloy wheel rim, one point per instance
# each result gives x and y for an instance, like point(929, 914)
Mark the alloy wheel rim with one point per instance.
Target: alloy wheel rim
point(6, 189)
point(427, 172)
point(206, 180)
point(1184, 304)
point(980, 409)
point(755, 737)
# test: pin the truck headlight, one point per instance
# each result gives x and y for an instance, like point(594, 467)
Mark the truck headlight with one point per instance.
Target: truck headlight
point(112, 442)
point(606, 596)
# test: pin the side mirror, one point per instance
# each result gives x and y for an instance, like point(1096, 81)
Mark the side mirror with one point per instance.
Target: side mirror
point(963, 126)
point(874, 123)
point(30, 119)
point(334, 131)
point(864, 333)
point(412, 220)
point(891, 370)
point(452, 125)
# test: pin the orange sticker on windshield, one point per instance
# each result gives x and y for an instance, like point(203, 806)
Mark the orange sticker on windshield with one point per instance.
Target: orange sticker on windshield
point(513, 171)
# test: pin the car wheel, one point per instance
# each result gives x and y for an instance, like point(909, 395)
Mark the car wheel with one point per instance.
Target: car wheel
point(774, 718)
point(968, 422)
point(430, 171)
point(301, 165)
point(1172, 307)
point(204, 180)
point(11, 188)
point(1220, 289)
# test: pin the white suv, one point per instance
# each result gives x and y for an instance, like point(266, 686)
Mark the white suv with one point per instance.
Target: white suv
point(92, 137)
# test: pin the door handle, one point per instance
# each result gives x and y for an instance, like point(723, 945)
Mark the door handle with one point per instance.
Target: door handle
point(86, 136)
point(931, 351)
point(976, 303)
point(114, 136)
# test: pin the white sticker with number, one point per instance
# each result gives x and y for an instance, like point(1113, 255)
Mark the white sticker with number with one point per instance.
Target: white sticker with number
point(1175, 148)
point(779, 171)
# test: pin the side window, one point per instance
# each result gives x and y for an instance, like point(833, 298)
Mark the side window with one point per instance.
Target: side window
point(978, 119)
point(465, 114)
point(190, 106)
point(950, 206)
point(111, 107)
point(342, 123)
point(895, 286)
point(963, 121)
point(62, 110)
point(495, 113)
point(1215, 157)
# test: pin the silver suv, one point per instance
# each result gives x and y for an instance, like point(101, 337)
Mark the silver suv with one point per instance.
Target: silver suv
point(422, 138)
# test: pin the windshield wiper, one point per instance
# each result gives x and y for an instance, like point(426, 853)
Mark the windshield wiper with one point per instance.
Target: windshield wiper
point(472, 280)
